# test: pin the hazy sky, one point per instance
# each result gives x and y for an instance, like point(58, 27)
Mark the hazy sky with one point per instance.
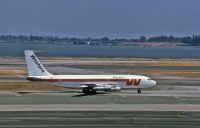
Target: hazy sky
point(99, 18)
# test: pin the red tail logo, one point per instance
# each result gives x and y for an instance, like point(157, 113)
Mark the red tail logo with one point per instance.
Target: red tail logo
point(134, 82)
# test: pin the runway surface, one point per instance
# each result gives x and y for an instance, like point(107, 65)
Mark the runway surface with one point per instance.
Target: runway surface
point(126, 97)
point(129, 100)
point(111, 119)
point(173, 103)
point(179, 108)
point(101, 107)
point(116, 110)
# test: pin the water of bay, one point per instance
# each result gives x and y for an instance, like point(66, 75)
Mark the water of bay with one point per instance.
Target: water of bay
point(16, 49)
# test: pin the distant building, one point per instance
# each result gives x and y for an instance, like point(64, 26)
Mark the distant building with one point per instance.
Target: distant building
point(80, 43)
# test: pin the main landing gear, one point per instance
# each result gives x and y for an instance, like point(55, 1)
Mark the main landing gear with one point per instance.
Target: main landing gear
point(89, 91)
point(139, 91)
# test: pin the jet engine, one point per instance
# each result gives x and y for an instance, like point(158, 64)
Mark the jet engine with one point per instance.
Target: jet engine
point(108, 88)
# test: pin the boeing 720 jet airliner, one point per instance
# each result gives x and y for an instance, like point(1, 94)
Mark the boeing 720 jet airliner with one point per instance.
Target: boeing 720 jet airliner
point(89, 84)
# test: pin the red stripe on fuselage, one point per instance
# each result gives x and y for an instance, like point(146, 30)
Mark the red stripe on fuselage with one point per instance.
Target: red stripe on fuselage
point(83, 80)
point(74, 80)
point(128, 81)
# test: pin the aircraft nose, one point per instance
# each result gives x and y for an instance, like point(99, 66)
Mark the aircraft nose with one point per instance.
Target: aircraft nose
point(153, 82)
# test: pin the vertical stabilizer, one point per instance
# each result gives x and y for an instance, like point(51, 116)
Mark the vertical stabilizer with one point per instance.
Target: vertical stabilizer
point(35, 68)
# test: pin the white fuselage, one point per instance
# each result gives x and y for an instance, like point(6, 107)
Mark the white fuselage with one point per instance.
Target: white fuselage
point(75, 81)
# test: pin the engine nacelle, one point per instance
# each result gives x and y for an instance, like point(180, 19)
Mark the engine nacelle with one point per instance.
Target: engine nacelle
point(108, 89)
point(116, 89)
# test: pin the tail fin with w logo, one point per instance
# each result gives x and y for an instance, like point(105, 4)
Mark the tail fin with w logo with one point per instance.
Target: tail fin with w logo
point(35, 68)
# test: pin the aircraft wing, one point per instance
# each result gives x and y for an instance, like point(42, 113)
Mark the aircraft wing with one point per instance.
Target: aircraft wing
point(101, 86)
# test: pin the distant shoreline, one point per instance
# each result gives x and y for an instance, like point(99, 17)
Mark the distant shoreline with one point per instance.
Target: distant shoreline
point(161, 40)
point(154, 52)
point(138, 44)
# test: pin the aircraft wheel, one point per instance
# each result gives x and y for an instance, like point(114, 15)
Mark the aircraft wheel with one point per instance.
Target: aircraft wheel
point(88, 91)
point(91, 91)
point(85, 91)
point(139, 91)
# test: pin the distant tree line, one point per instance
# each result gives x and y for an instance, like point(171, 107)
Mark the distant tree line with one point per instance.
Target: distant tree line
point(188, 40)
point(194, 40)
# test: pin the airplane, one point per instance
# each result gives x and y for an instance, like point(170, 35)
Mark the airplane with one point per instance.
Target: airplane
point(90, 84)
